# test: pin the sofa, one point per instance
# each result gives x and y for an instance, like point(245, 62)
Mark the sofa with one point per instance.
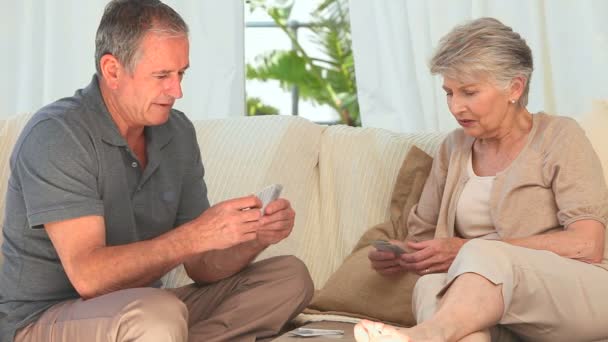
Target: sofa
point(339, 180)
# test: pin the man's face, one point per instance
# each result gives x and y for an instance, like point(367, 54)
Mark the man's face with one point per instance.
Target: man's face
point(145, 96)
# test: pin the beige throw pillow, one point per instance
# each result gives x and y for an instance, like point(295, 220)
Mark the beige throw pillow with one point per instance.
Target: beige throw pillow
point(355, 289)
point(595, 124)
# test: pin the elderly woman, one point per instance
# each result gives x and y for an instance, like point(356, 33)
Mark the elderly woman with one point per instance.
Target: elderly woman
point(509, 233)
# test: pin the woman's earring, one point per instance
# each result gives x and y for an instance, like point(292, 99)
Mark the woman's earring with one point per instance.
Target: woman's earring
point(512, 101)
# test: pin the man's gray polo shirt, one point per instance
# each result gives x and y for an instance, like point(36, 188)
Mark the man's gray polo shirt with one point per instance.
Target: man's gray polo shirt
point(70, 161)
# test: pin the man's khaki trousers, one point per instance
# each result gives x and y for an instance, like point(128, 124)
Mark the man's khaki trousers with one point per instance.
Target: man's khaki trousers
point(254, 303)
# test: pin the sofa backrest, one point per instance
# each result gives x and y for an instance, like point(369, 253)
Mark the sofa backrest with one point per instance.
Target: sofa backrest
point(10, 128)
point(243, 155)
point(358, 169)
point(595, 123)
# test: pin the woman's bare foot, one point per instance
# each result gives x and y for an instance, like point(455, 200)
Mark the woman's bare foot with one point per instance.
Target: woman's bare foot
point(368, 331)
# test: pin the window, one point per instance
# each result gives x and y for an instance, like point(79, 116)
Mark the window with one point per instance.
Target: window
point(299, 60)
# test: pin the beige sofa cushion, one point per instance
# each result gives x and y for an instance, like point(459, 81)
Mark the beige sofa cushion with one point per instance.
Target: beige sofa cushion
point(355, 289)
point(595, 124)
point(10, 128)
point(243, 155)
point(358, 168)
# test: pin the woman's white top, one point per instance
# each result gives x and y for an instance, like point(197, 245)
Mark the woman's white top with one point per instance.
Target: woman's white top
point(473, 219)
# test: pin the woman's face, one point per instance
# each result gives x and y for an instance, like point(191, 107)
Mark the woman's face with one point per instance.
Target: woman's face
point(480, 107)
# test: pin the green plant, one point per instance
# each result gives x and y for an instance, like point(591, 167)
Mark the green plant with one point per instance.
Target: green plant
point(256, 107)
point(329, 80)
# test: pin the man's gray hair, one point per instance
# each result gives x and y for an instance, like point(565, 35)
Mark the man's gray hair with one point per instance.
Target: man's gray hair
point(125, 23)
point(484, 47)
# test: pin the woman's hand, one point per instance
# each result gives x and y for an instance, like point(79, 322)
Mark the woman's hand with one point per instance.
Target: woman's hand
point(431, 256)
point(386, 263)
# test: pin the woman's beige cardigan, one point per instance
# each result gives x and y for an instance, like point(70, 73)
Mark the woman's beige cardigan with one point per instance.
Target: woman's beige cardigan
point(555, 180)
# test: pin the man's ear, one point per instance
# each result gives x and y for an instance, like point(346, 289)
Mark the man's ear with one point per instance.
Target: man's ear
point(518, 85)
point(110, 70)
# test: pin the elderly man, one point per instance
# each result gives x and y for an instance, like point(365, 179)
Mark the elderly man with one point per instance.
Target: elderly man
point(107, 194)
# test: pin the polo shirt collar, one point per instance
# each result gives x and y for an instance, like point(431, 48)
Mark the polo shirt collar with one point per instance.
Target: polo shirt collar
point(156, 136)
point(159, 136)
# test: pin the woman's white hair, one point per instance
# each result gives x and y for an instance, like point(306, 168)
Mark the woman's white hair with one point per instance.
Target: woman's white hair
point(484, 47)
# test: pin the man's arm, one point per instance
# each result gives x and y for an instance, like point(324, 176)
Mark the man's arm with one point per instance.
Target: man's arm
point(215, 265)
point(95, 269)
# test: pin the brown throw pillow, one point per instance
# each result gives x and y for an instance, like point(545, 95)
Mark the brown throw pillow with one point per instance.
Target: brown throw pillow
point(355, 289)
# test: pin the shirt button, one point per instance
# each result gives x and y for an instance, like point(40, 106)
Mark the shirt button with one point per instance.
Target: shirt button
point(134, 164)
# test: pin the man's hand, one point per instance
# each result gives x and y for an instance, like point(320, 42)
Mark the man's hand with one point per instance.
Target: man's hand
point(227, 224)
point(431, 256)
point(386, 263)
point(233, 237)
point(277, 222)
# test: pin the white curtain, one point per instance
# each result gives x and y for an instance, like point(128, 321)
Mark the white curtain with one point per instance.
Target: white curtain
point(393, 40)
point(48, 52)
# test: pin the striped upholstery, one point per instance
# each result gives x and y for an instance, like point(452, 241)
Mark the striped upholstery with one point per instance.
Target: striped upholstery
point(595, 123)
point(9, 132)
point(243, 155)
point(358, 168)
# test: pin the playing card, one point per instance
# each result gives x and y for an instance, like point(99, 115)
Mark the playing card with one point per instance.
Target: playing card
point(310, 332)
point(269, 194)
point(383, 245)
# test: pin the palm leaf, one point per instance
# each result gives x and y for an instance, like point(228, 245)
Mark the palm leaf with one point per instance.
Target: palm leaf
point(290, 69)
point(329, 80)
